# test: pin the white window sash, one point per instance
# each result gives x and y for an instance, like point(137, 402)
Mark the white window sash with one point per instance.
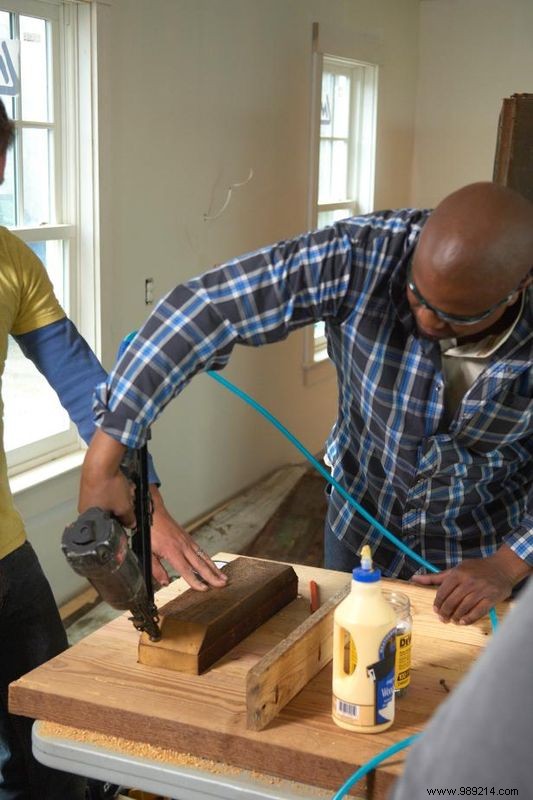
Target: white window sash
point(363, 104)
point(72, 197)
point(45, 233)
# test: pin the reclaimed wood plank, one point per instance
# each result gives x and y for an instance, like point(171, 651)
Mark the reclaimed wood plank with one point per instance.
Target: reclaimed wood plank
point(198, 628)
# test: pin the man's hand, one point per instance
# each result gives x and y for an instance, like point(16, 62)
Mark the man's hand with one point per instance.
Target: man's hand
point(171, 542)
point(467, 592)
point(103, 485)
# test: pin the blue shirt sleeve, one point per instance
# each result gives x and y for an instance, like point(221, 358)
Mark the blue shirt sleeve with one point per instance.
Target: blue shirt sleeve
point(64, 358)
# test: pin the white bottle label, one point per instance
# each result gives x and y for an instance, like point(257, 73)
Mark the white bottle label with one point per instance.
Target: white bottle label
point(345, 709)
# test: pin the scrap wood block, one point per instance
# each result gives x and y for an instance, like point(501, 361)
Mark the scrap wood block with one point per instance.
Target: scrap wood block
point(198, 628)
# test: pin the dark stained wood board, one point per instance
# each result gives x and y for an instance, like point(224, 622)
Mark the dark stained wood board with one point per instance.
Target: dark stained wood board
point(98, 685)
point(198, 628)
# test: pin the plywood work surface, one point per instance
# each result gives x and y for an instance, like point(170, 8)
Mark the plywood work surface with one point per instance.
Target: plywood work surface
point(98, 685)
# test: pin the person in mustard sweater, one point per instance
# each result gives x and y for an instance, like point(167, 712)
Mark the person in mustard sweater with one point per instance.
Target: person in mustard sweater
point(31, 631)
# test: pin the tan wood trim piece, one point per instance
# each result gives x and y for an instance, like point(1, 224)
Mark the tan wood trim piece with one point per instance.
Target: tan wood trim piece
point(288, 667)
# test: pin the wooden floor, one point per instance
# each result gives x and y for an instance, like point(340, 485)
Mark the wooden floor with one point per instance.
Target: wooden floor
point(295, 531)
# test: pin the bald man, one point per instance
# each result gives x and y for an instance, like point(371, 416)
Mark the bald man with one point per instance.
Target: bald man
point(428, 319)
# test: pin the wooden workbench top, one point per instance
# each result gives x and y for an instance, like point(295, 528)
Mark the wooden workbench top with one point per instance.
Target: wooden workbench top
point(99, 686)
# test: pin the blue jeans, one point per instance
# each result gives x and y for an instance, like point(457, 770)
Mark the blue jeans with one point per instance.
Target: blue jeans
point(337, 554)
point(31, 633)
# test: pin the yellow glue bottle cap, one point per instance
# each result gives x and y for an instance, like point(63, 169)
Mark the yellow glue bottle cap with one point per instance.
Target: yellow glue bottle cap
point(366, 573)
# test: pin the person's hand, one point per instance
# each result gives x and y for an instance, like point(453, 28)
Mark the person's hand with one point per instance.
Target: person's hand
point(102, 483)
point(171, 542)
point(467, 592)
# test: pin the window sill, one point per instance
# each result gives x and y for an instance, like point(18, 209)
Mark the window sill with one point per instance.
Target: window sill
point(46, 472)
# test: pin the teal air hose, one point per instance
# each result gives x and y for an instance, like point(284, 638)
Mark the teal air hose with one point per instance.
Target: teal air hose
point(324, 472)
point(374, 762)
point(318, 466)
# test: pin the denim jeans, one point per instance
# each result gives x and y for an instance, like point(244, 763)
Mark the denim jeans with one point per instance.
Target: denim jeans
point(337, 554)
point(31, 633)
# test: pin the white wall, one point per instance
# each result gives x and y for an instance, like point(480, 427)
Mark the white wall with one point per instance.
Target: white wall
point(192, 93)
point(200, 92)
point(473, 53)
point(195, 92)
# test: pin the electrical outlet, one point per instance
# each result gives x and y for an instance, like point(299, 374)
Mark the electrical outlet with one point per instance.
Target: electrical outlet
point(148, 291)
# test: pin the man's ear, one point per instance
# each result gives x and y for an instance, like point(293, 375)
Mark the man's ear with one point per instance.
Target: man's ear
point(524, 283)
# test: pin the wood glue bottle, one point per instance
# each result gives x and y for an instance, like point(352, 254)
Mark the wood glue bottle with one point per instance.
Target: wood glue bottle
point(364, 645)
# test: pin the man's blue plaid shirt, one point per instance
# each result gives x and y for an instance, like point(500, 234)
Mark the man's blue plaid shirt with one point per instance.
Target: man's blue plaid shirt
point(449, 490)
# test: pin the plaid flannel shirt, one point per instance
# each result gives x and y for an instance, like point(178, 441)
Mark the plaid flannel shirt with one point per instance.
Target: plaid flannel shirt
point(449, 490)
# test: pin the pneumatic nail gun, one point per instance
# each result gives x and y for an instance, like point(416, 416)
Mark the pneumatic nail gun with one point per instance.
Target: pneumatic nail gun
point(97, 547)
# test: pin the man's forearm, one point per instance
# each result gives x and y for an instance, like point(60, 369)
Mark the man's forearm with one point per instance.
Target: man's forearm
point(102, 482)
point(104, 456)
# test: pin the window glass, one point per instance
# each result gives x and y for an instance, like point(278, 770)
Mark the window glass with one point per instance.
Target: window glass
point(31, 409)
point(34, 69)
point(341, 116)
point(320, 329)
point(5, 25)
point(326, 109)
point(339, 171)
point(7, 193)
point(36, 177)
point(324, 171)
point(51, 253)
point(333, 172)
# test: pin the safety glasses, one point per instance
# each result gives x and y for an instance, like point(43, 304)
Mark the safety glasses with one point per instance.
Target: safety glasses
point(458, 319)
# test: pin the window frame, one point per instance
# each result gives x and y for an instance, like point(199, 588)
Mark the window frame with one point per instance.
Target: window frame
point(361, 163)
point(72, 191)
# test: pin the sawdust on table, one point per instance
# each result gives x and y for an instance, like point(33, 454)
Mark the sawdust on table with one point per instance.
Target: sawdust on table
point(162, 754)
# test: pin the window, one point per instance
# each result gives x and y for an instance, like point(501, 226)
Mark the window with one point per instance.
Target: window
point(343, 143)
point(39, 200)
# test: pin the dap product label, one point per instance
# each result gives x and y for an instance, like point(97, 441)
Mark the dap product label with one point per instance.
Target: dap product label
point(403, 660)
point(382, 673)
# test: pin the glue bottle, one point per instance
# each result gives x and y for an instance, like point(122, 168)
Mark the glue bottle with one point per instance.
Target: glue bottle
point(364, 646)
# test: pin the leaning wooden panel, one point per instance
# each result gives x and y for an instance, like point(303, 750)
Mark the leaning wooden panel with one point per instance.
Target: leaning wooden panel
point(198, 628)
